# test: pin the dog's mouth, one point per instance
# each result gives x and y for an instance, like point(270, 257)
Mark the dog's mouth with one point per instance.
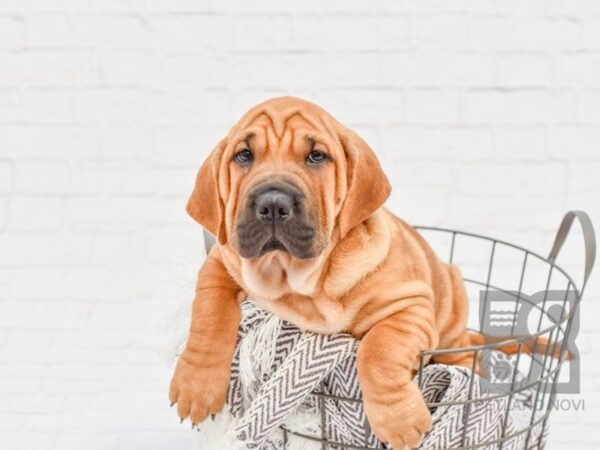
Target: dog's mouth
point(255, 240)
point(272, 245)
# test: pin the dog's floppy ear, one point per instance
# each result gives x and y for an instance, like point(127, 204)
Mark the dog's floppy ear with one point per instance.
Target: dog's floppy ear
point(368, 187)
point(205, 204)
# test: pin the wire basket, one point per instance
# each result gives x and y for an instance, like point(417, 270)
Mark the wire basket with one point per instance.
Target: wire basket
point(502, 272)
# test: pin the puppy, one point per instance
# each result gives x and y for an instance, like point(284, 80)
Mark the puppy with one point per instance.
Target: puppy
point(295, 200)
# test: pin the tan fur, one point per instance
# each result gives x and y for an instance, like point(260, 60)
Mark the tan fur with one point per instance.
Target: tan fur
point(376, 278)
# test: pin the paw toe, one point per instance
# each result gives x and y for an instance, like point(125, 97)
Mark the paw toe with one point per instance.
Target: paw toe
point(198, 412)
point(183, 406)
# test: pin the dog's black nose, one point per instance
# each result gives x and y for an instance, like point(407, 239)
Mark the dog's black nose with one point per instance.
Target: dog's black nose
point(274, 205)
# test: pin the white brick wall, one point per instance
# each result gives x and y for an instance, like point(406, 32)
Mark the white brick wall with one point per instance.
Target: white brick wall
point(485, 113)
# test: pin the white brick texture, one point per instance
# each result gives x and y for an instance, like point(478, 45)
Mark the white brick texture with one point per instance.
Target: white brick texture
point(485, 114)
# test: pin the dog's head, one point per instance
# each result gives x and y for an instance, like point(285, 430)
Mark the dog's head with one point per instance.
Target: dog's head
point(288, 177)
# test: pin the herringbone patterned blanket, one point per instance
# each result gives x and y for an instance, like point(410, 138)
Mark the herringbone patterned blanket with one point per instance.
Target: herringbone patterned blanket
point(277, 369)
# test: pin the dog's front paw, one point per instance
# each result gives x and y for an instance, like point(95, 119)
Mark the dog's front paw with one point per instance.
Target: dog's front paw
point(198, 390)
point(401, 423)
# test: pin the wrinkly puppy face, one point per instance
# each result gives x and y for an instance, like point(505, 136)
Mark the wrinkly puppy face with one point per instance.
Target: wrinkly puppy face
point(285, 179)
point(286, 183)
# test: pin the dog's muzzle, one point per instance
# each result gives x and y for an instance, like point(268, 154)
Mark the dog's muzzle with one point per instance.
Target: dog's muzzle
point(275, 218)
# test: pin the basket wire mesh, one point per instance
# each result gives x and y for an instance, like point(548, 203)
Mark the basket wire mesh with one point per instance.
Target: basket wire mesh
point(556, 330)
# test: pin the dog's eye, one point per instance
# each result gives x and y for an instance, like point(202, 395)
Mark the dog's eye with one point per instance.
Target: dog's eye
point(316, 157)
point(243, 157)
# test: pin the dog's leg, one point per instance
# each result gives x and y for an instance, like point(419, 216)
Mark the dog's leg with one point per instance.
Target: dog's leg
point(199, 385)
point(453, 325)
point(386, 360)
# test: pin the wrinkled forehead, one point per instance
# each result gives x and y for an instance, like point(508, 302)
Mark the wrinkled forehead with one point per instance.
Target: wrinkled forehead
point(272, 128)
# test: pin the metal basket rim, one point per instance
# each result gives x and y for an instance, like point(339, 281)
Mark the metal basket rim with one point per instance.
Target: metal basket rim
point(503, 242)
